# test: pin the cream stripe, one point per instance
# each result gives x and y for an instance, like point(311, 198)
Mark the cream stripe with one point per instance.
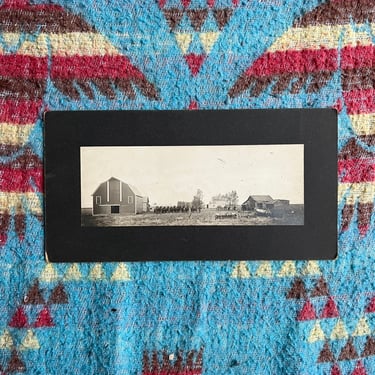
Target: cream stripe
point(12, 134)
point(29, 201)
point(364, 192)
point(363, 124)
point(65, 44)
point(315, 37)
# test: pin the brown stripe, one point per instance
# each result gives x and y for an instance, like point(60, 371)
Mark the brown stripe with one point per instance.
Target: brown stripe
point(85, 87)
point(318, 81)
point(104, 86)
point(369, 139)
point(20, 88)
point(355, 79)
point(7, 150)
point(66, 87)
point(28, 160)
point(282, 83)
point(261, 83)
point(146, 88)
point(125, 86)
point(241, 85)
point(46, 21)
point(298, 84)
point(339, 12)
point(352, 150)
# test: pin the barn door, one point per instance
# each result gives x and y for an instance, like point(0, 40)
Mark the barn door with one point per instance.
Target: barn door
point(115, 209)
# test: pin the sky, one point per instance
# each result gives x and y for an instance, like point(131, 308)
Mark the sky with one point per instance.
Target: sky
point(167, 174)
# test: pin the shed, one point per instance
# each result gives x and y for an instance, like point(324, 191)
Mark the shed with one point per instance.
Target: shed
point(117, 197)
point(258, 201)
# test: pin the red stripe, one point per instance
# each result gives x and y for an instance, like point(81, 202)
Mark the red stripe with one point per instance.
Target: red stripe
point(93, 67)
point(21, 181)
point(356, 170)
point(357, 57)
point(19, 112)
point(305, 61)
point(23, 66)
point(360, 101)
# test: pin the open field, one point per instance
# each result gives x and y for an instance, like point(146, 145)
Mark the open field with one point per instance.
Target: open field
point(292, 216)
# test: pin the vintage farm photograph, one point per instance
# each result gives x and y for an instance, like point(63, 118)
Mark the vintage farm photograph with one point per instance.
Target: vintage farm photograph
point(192, 185)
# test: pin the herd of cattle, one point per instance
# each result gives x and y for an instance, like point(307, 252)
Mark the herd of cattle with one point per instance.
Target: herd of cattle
point(170, 209)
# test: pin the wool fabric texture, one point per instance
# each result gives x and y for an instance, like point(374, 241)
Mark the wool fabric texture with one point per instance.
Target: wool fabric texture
point(186, 318)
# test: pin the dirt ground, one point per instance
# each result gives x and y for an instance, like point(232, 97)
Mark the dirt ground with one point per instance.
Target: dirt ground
point(294, 216)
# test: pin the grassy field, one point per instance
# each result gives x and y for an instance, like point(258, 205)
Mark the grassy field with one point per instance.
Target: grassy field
point(292, 216)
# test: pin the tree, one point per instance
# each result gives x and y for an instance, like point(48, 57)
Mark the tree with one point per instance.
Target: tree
point(232, 198)
point(197, 202)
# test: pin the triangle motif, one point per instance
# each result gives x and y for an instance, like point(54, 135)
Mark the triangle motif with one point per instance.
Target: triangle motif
point(30, 341)
point(73, 273)
point(297, 290)
point(173, 17)
point(288, 269)
point(222, 16)
point(321, 288)
point(194, 62)
point(49, 273)
point(241, 270)
point(371, 306)
point(264, 270)
point(362, 328)
point(316, 333)
point(359, 369)
point(369, 348)
point(326, 354)
point(197, 17)
point(58, 295)
point(6, 341)
point(339, 331)
point(121, 273)
point(208, 39)
point(97, 273)
point(183, 41)
point(307, 312)
point(330, 309)
point(311, 268)
point(348, 352)
point(19, 319)
point(15, 363)
point(34, 295)
point(44, 319)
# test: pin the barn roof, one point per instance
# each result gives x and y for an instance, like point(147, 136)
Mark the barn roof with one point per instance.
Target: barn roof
point(260, 198)
point(135, 190)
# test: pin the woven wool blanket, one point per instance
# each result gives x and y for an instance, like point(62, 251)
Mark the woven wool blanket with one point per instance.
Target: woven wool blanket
point(186, 318)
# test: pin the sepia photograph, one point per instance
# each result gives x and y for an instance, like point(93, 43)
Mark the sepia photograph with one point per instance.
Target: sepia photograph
point(236, 185)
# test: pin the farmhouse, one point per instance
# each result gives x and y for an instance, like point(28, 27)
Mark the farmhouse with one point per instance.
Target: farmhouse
point(217, 202)
point(117, 197)
point(258, 201)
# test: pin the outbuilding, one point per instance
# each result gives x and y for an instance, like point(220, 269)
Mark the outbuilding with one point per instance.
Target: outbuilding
point(262, 202)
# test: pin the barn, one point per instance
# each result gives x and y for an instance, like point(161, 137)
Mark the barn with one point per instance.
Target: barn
point(117, 197)
point(258, 201)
